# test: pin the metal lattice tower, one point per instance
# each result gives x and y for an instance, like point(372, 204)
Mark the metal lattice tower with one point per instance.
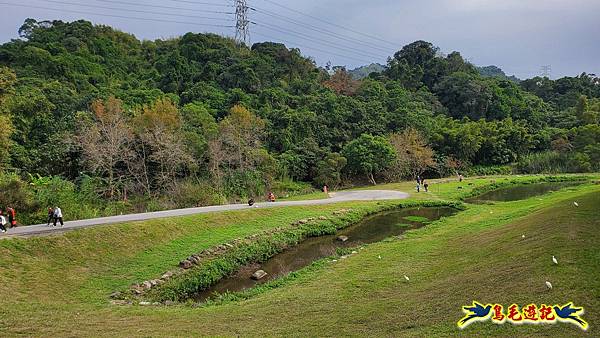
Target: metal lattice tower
point(242, 30)
point(546, 71)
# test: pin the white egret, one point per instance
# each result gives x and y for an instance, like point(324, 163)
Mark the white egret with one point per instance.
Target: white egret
point(549, 285)
point(522, 236)
point(576, 204)
point(406, 277)
point(555, 260)
point(379, 256)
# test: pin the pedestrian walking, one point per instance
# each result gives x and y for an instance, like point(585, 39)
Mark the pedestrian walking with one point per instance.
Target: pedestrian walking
point(418, 179)
point(2, 222)
point(12, 217)
point(326, 189)
point(418, 187)
point(58, 216)
point(50, 216)
point(425, 185)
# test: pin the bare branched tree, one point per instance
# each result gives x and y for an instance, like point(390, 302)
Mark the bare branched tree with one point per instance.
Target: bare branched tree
point(106, 142)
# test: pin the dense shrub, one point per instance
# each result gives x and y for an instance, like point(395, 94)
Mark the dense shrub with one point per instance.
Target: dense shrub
point(553, 163)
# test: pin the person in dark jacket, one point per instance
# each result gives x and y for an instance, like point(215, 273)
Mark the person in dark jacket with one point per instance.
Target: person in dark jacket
point(50, 216)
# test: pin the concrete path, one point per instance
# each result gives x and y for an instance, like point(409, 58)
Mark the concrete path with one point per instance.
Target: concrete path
point(336, 197)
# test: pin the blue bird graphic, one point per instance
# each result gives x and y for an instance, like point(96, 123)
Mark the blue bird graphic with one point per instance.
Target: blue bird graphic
point(475, 312)
point(567, 312)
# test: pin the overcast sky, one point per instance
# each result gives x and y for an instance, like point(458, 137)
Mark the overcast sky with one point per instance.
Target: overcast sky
point(520, 36)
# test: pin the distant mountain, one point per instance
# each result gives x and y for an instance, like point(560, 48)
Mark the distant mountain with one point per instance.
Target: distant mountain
point(493, 71)
point(364, 71)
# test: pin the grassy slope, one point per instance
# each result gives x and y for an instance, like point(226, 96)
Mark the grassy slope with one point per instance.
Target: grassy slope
point(59, 284)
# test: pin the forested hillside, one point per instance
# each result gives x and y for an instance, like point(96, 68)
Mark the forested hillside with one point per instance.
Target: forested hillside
point(101, 122)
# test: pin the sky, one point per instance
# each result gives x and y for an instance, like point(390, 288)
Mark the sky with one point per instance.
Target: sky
point(519, 36)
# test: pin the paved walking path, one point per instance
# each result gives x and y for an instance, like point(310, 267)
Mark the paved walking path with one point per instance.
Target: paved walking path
point(341, 196)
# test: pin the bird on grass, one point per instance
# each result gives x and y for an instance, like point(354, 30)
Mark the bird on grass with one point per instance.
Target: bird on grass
point(406, 277)
point(570, 313)
point(549, 285)
point(379, 256)
point(474, 312)
point(554, 260)
point(522, 236)
point(576, 204)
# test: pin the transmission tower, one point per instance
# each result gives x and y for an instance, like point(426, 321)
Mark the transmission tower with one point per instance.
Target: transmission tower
point(242, 30)
point(546, 71)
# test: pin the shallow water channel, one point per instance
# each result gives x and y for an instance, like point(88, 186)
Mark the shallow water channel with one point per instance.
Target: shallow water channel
point(372, 229)
point(521, 192)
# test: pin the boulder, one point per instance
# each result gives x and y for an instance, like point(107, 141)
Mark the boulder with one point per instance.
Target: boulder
point(147, 285)
point(342, 238)
point(303, 221)
point(167, 275)
point(119, 302)
point(259, 274)
point(185, 264)
point(145, 303)
point(115, 295)
point(322, 218)
point(169, 303)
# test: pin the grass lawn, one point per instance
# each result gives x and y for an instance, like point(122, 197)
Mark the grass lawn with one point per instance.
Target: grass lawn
point(59, 286)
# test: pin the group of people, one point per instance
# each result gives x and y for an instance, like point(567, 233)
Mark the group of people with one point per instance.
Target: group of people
point(421, 183)
point(54, 216)
point(270, 198)
point(9, 218)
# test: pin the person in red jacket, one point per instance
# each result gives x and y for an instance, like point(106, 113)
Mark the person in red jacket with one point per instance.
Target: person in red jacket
point(12, 217)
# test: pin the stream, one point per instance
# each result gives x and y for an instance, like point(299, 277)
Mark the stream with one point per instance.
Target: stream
point(372, 229)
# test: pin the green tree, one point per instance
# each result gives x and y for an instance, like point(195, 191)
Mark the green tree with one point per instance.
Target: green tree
point(329, 170)
point(368, 155)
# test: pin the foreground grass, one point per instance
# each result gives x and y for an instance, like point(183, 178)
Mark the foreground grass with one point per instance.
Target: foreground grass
point(59, 285)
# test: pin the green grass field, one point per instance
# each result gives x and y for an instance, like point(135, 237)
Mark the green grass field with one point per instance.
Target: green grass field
point(60, 285)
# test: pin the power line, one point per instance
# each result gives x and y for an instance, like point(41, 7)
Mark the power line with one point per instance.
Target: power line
point(333, 34)
point(164, 7)
point(316, 40)
point(201, 3)
point(115, 15)
point(331, 24)
point(312, 48)
point(135, 10)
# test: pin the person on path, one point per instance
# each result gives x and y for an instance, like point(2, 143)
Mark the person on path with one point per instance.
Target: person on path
point(251, 202)
point(425, 185)
point(418, 187)
point(2, 222)
point(58, 216)
point(271, 197)
point(50, 216)
point(325, 189)
point(12, 217)
point(418, 179)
